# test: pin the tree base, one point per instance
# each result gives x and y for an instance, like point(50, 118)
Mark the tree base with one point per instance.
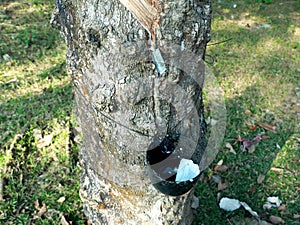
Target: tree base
point(105, 203)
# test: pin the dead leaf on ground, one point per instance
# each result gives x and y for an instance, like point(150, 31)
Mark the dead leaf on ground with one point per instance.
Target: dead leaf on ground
point(296, 216)
point(265, 137)
point(41, 211)
point(249, 144)
point(36, 204)
point(276, 220)
point(222, 186)
point(9, 63)
point(229, 146)
point(45, 141)
point(267, 126)
point(261, 178)
point(251, 127)
point(61, 199)
point(222, 168)
point(274, 169)
point(37, 134)
point(282, 208)
point(248, 112)
point(63, 220)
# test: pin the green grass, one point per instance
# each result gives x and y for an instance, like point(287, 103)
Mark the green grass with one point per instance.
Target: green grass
point(36, 100)
point(258, 71)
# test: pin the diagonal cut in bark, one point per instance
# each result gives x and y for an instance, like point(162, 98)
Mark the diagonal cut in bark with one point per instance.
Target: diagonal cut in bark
point(146, 13)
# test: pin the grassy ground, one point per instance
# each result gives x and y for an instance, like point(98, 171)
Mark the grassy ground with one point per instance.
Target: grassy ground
point(259, 73)
point(38, 162)
point(258, 70)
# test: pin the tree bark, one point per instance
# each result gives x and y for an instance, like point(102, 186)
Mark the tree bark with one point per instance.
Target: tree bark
point(139, 115)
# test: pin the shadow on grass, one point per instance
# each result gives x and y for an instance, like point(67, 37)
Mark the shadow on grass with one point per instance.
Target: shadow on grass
point(276, 157)
point(36, 175)
point(260, 78)
point(53, 71)
point(44, 174)
point(34, 109)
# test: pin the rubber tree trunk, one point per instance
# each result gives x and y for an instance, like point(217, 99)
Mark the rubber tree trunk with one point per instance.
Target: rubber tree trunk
point(137, 70)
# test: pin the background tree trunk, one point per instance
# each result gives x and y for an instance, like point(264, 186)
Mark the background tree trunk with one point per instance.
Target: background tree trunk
point(129, 113)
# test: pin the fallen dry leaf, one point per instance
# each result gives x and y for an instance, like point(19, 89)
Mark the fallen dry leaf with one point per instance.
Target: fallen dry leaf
point(229, 146)
point(264, 137)
point(248, 112)
point(248, 144)
point(36, 204)
point(41, 211)
point(282, 208)
point(222, 186)
point(37, 134)
point(276, 220)
point(261, 178)
point(45, 141)
point(61, 199)
point(63, 220)
point(267, 126)
point(296, 216)
point(251, 127)
point(222, 168)
point(274, 169)
point(9, 63)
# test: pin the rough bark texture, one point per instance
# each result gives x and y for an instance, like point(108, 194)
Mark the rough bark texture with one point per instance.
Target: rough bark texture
point(125, 110)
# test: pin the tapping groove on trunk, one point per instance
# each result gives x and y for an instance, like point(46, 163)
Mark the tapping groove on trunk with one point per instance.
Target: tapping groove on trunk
point(124, 105)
